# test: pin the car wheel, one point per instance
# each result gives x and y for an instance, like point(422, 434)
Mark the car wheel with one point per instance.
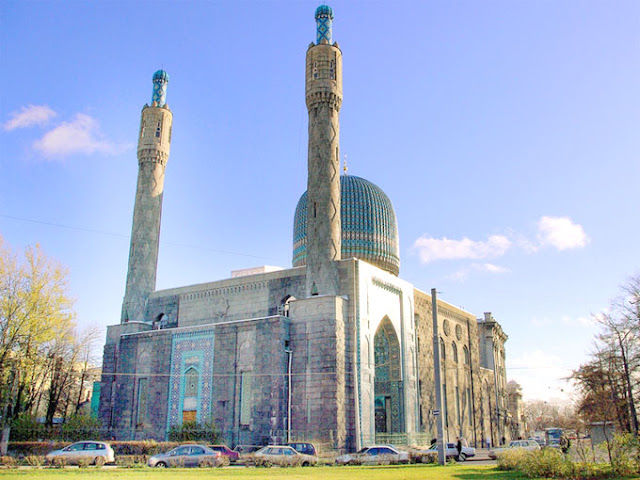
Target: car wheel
point(161, 465)
point(98, 461)
point(305, 464)
point(267, 464)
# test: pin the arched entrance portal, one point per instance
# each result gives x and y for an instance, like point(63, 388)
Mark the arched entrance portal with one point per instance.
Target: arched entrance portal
point(388, 380)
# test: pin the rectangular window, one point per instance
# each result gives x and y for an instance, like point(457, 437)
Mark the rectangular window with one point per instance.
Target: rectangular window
point(246, 396)
point(470, 404)
point(458, 406)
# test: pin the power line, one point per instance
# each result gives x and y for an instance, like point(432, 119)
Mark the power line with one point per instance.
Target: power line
point(120, 235)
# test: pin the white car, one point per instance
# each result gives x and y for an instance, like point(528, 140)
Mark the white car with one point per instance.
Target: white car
point(452, 452)
point(374, 455)
point(96, 453)
point(524, 444)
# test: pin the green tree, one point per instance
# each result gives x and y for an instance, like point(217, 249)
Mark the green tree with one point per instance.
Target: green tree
point(35, 312)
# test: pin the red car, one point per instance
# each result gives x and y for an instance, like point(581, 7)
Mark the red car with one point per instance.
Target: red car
point(225, 451)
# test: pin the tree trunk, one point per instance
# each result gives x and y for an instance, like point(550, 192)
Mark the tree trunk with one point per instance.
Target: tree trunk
point(633, 418)
point(4, 440)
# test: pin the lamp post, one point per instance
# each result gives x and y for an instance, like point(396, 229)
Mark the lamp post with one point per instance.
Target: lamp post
point(442, 458)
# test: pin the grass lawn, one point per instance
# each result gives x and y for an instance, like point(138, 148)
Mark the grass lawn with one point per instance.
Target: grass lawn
point(388, 472)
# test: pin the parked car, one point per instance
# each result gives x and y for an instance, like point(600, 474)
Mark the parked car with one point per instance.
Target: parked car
point(247, 449)
point(97, 453)
point(187, 456)
point(452, 452)
point(524, 444)
point(374, 454)
point(283, 455)
point(306, 448)
point(226, 452)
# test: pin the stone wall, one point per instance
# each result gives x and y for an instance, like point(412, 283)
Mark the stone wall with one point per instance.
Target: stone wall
point(460, 364)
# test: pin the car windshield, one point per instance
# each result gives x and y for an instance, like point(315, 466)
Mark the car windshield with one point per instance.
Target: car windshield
point(363, 450)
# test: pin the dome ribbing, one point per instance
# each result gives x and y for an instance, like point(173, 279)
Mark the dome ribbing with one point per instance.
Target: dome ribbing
point(369, 226)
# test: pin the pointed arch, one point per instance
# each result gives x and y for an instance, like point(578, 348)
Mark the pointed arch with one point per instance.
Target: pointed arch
point(389, 401)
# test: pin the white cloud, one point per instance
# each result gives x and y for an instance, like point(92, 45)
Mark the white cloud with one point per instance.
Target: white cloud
point(431, 249)
point(588, 322)
point(80, 136)
point(463, 273)
point(561, 233)
point(491, 268)
point(30, 116)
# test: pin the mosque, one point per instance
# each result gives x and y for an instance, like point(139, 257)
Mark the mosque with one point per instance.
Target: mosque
point(337, 350)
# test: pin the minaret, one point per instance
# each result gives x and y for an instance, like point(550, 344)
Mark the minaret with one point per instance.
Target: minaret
point(154, 142)
point(324, 97)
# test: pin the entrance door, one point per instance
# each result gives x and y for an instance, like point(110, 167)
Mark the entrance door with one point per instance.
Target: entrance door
point(383, 414)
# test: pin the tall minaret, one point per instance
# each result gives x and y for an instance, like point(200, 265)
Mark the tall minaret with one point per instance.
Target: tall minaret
point(153, 153)
point(324, 97)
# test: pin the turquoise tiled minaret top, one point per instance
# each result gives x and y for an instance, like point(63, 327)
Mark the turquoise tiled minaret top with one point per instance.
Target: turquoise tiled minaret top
point(324, 18)
point(369, 226)
point(160, 80)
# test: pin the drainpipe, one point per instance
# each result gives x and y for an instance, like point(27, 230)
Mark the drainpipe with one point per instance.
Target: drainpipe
point(289, 353)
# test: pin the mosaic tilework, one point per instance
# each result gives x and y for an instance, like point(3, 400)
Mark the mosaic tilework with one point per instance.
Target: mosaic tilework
point(160, 80)
point(191, 350)
point(369, 227)
point(324, 17)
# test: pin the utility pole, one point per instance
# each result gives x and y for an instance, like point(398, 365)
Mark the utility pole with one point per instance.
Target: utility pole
point(439, 413)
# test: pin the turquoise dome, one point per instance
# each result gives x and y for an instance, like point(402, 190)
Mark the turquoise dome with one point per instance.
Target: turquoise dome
point(369, 226)
point(324, 11)
point(161, 75)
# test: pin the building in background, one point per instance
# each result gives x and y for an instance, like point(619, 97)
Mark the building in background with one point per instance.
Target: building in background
point(337, 350)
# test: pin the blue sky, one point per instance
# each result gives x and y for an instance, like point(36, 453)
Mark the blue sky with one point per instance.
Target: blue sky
point(505, 133)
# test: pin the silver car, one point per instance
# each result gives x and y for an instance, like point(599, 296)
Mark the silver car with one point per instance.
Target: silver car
point(187, 456)
point(530, 445)
point(374, 455)
point(96, 453)
point(283, 455)
point(452, 451)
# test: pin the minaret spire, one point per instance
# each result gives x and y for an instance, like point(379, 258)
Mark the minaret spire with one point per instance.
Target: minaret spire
point(323, 98)
point(154, 143)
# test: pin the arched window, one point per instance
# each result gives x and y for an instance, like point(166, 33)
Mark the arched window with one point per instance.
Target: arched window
point(443, 353)
point(191, 383)
point(465, 353)
point(454, 352)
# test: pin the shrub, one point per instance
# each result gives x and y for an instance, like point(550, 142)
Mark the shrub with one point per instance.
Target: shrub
point(84, 462)
point(80, 427)
point(26, 427)
point(59, 462)
point(192, 432)
point(132, 461)
point(9, 461)
point(511, 458)
point(624, 454)
point(422, 457)
point(548, 462)
point(34, 460)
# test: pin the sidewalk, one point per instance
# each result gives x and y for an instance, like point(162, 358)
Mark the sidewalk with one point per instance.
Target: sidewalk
point(482, 454)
